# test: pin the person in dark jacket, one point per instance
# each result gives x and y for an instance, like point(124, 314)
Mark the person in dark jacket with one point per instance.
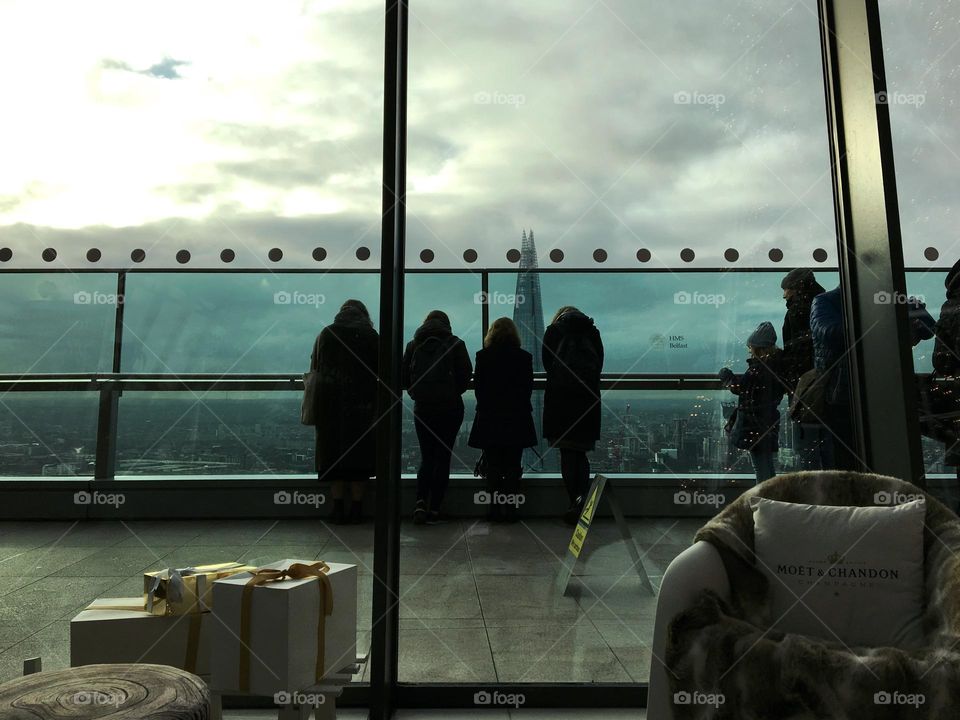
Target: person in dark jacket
point(573, 360)
point(800, 287)
point(345, 354)
point(829, 357)
point(946, 365)
point(436, 373)
point(503, 424)
point(756, 424)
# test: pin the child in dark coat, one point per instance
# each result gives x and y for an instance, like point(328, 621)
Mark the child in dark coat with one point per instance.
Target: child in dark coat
point(755, 425)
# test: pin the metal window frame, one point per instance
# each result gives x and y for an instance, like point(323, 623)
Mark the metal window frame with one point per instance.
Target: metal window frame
point(870, 258)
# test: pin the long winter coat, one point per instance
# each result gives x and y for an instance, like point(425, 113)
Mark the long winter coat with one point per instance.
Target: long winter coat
point(503, 384)
point(571, 416)
point(345, 354)
point(946, 350)
point(759, 391)
point(830, 344)
point(456, 355)
point(797, 340)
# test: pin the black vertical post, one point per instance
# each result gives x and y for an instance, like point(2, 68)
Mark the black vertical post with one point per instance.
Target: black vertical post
point(386, 560)
point(106, 457)
point(871, 256)
point(485, 307)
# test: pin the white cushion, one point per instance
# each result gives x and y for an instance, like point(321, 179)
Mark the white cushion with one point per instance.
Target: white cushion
point(848, 573)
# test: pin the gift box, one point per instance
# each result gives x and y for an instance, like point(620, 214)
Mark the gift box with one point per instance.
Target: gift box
point(120, 630)
point(286, 627)
point(185, 590)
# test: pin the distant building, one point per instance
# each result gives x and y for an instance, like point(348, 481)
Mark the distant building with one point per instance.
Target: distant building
point(528, 316)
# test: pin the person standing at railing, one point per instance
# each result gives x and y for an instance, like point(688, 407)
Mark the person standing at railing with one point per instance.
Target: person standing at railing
point(755, 425)
point(436, 373)
point(503, 424)
point(800, 287)
point(345, 356)
point(573, 360)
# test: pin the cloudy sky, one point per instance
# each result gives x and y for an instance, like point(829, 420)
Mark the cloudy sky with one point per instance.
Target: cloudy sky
point(603, 124)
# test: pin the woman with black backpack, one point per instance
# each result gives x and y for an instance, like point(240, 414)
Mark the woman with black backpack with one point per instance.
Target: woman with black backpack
point(436, 372)
point(503, 425)
point(573, 359)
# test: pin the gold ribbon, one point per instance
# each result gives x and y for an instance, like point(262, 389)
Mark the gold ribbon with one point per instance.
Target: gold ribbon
point(297, 571)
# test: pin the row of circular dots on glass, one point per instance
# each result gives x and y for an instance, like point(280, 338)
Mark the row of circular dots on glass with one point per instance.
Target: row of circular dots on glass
point(427, 256)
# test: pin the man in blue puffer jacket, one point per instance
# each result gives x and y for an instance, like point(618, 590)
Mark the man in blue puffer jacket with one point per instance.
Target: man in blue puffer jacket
point(837, 451)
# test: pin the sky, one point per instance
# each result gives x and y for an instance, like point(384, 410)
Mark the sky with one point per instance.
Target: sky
point(603, 124)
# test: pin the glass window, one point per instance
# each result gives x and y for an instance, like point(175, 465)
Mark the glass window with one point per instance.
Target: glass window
point(233, 434)
point(233, 323)
point(49, 434)
point(57, 322)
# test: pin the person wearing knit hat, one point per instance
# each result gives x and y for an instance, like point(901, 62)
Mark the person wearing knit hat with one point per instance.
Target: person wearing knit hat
point(763, 337)
point(797, 279)
point(755, 424)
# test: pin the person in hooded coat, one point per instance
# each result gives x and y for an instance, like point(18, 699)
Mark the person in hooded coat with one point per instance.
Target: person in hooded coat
point(800, 287)
point(345, 355)
point(436, 372)
point(503, 424)
point(573, 360)
point(756, 424)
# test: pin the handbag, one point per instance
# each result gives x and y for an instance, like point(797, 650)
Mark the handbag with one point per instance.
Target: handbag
point(809, 402)
point(311, 382)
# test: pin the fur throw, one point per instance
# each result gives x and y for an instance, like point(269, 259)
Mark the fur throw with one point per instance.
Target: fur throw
point(728, 659)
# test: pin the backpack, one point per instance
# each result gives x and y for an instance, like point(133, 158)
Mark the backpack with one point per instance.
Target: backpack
point(809, 401)
point(432, 378)
point(577, 362)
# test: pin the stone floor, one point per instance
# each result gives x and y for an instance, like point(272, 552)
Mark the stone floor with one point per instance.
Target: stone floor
point(478, 602)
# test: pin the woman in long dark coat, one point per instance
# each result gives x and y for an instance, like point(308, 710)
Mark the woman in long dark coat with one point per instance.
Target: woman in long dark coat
point(503, 424)
point(345, 355)
point(573, 359)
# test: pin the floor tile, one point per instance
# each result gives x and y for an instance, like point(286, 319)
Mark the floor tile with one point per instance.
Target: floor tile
point(445, 655)
point(574, 652)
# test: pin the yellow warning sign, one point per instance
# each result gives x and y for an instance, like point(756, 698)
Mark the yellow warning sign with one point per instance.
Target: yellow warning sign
point(586, 517)
point(576, 542)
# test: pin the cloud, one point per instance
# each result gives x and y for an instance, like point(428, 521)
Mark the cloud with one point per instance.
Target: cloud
point(166, 69)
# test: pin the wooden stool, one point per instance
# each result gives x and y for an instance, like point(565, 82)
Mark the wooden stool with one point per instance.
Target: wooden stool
point(114, 692)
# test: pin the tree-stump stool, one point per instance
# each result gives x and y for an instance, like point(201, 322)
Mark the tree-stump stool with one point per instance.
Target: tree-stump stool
point(106, 692)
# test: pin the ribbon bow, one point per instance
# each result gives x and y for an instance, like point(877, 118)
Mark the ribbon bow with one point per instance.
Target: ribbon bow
point(296, 571)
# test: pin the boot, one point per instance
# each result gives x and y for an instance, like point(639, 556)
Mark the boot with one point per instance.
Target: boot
point(420, 512)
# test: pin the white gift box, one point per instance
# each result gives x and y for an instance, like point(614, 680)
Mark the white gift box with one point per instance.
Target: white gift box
point(283, 638)
point(120, 630)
